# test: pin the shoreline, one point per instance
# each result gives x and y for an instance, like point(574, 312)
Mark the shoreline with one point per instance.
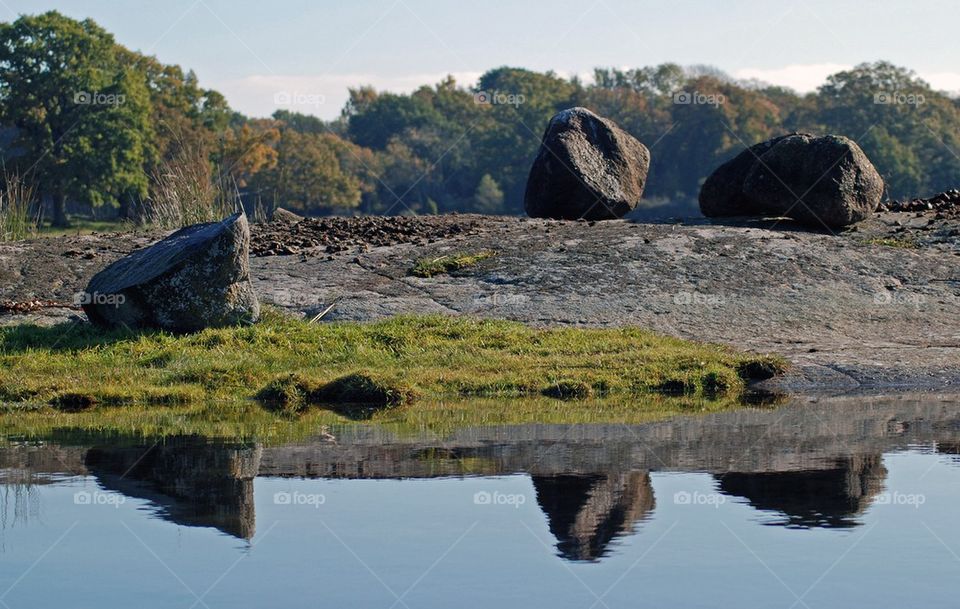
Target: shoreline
point(859, 311)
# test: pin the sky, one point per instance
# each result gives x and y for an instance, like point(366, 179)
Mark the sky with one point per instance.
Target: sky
point(303, 55)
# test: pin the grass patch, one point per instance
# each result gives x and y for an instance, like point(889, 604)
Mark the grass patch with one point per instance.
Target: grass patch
point(355, 395)
point(428, 267)
point(293, 364)
point(901, 242)
point(85, 226)
point(568, 390)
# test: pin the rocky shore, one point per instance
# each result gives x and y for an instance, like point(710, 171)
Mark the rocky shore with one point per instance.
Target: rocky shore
point(873, 308)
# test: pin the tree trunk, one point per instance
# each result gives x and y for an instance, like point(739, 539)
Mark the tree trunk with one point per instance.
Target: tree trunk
point(60, 219)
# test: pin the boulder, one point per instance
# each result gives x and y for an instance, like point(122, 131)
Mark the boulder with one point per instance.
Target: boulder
point(198, 277)
point(587, 167)
point(818, 181)
point(283, 216)
point(722, 192)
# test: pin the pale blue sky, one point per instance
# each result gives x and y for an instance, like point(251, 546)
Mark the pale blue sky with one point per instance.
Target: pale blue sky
point(261, 54)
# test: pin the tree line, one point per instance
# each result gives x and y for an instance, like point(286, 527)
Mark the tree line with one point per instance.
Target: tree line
point(99, 127)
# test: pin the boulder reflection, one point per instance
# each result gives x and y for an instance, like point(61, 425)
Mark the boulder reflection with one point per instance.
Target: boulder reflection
point(832, 497)
point(191, 481)
point(586, 512)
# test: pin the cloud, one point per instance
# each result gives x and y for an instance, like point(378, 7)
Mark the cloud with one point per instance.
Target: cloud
point(323, 96)
point(807, 77)
point(800, 77)
point(943, 81)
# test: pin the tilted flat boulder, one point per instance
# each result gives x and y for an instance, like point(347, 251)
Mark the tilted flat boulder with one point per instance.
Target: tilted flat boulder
point(722, 192)
point(587, 167)
point(818, 181)
point(198, 277)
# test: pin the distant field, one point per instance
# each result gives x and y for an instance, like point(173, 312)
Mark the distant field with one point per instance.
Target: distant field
point(84, 227)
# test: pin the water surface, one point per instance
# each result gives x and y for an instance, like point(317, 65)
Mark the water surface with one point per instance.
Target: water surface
point(811, 505)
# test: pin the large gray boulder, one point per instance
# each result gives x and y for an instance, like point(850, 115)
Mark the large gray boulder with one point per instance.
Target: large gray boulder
point(818, 181)
point(587, 167)
point(198, 277)
point(722, 192)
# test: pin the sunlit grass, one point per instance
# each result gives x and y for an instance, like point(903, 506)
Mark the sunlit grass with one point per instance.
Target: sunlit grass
point(428, 267)
point(404, 358)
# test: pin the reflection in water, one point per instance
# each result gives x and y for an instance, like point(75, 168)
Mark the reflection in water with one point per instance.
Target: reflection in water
point(194, 482)
point(586, 512)
point(831, 497)
point(19, 502)
point(949, 448)
point(813, 465)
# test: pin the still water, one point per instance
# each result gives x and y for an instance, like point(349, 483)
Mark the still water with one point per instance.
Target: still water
point(810, 505)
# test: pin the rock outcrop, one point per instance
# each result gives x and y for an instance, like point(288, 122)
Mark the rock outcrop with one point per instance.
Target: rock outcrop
point(722, 192)
point(198, 277)
point(587, 167)
point(818, 181)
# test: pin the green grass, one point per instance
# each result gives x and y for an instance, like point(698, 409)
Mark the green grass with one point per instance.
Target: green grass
point(16, 200)
point(81, 226)
point(905, 243)
point(428, 267)
point(291, 364)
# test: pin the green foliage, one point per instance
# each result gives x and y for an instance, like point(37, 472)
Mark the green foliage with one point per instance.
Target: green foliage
point(439, 149)
point(81, 114)
point(308, 175)
point(488, 197)
point(16, 198)
point(903, 243)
